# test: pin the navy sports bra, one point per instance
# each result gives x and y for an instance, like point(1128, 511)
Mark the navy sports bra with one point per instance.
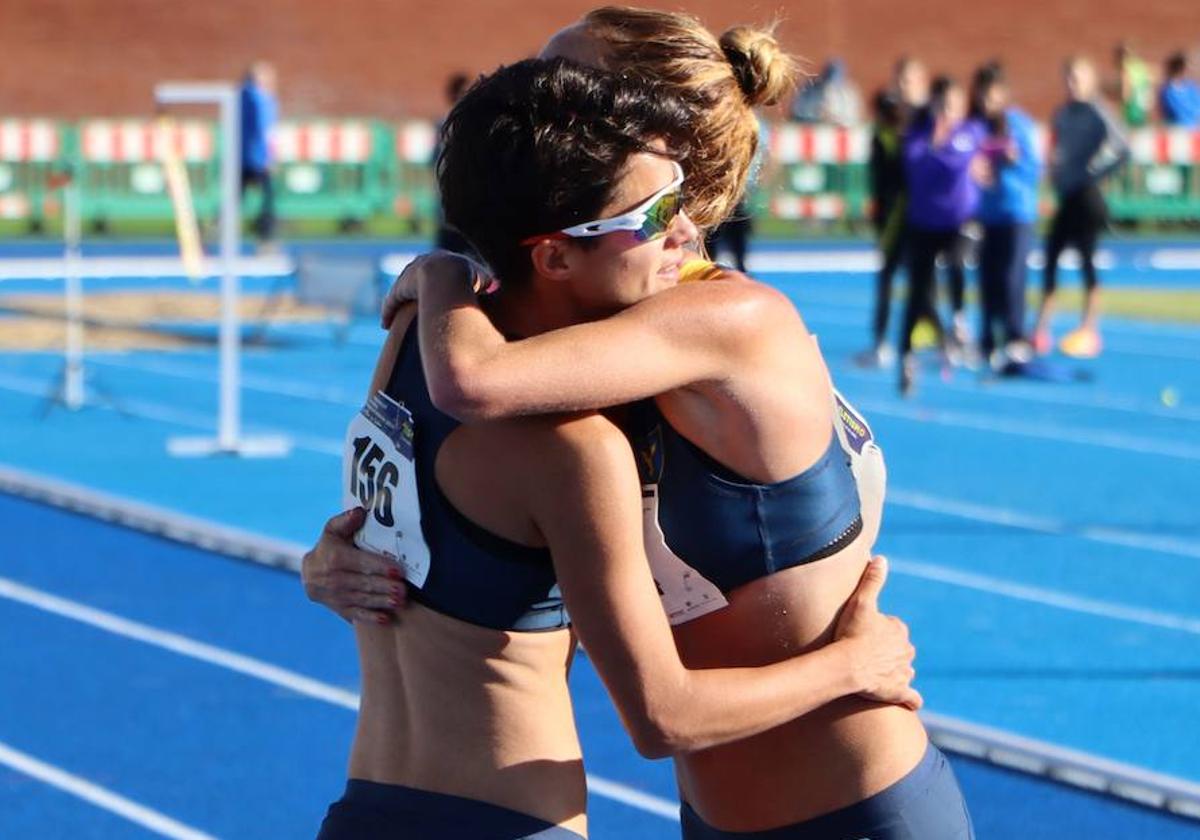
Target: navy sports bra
point(731, 530)
point(453, 565)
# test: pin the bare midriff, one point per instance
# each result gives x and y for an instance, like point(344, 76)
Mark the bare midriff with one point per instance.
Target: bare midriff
point(455, 708)
point(836, 756)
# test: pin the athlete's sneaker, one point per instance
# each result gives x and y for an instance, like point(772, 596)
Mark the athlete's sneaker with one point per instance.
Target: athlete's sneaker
point(1019, 351)
point(1081, 344)
point(908, 375)
point(962, 334)
point(1042, 342)
point(880, 356)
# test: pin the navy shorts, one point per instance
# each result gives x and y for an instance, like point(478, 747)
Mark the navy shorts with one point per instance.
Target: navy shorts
point(925, 805)
point(375, 811)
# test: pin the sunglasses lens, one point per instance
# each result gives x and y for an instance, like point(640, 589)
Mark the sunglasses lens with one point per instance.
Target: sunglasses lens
point(660, 215)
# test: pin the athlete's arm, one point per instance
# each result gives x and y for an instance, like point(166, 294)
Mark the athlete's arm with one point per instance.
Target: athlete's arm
point(693, 333)
point(587, 505)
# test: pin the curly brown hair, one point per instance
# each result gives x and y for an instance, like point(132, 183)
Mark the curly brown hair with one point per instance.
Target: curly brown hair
point(721, 79)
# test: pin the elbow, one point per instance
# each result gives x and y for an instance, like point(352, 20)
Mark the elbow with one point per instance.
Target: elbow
point(456, 393)
point(652, 740)
point(662, 732)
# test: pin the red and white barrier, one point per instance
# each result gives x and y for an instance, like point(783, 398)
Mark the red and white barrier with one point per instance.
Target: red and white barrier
point(1179, 146)
point(415, 141)
point(791, 143)
point(826, 206)
point(143, 141)
point(322, 142)
point(28, 141)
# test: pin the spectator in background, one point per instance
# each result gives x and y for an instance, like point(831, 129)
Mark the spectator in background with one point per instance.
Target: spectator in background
point(894, 111)
point(259, 112)
point(1007, 211)
point(829, 98)
point(447, 238)
point(1135, 86)
point(941, 166)
point(1088, 147)
point(1179, 96)
point(888, 208)
point(910, 82)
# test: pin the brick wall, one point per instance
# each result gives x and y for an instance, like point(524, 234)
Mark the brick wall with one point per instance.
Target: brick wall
point(76, 58)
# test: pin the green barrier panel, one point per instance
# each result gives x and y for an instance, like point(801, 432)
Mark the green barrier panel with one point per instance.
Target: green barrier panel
point(32, 151)
point(1162, 182)
point(353, 170)
point(120, 173)
point(333, 170)
point(414, 189)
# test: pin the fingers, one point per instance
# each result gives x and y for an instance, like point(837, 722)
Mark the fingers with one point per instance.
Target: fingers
point(365, 590)
point(362, 616)
point(346, 523)
point(912, 699)
point(872, 581)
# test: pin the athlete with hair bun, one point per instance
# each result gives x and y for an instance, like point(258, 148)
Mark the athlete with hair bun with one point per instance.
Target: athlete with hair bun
point(520, 537)
point(762, 489)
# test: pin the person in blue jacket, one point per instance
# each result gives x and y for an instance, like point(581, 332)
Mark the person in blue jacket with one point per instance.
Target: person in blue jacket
point(941, 165)
point(1008, 207)
point(1179, 96)
point(259, 112)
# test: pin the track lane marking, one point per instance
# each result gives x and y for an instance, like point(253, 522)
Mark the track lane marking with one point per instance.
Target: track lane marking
point(273, 674)
point(101, 797)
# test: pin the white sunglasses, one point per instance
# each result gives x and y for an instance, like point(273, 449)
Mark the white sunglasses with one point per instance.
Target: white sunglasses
point(649, 220)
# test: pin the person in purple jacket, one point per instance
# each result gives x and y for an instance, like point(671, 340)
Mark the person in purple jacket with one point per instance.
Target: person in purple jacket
point(941, 164)
point(1007, 211)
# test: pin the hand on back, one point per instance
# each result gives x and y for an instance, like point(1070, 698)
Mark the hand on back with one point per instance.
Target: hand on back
point(881, 651)
point(358, 585)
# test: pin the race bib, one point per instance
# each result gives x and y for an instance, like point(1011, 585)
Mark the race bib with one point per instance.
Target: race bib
point(685, 593)
point(378, 474)
point(866, 463)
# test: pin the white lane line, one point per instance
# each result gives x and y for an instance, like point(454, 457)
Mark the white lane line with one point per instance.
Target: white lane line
point(1041, 524)
point(633, 797)
point(982, 423)
point(279, 386)
point(257, 669)
point(181, 645)
point(1012, 390)
point(100, 797)
point(123, 268)
point(170, 415)
point(1046, 597)
point(1046, 525)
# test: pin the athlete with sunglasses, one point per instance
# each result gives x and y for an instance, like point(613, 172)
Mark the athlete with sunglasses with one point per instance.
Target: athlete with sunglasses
point(763, 495)
point(505, 529)
point(757, 526)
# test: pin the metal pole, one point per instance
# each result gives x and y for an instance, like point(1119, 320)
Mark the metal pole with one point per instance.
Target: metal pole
point(229, 431)
point(73, 393)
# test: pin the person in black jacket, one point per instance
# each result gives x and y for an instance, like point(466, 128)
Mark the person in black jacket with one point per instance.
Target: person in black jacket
point(888, 202)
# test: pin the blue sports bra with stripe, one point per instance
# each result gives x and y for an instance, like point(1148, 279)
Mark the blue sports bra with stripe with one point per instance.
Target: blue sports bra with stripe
point(731, 530)
point(453, 565)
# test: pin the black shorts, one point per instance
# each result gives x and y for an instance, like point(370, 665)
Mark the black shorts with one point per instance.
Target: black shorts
point(375, 811)
point(925, 805)
point(1081, 216)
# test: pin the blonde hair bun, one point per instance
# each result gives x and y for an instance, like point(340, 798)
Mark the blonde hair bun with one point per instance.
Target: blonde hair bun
point(764, 72)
